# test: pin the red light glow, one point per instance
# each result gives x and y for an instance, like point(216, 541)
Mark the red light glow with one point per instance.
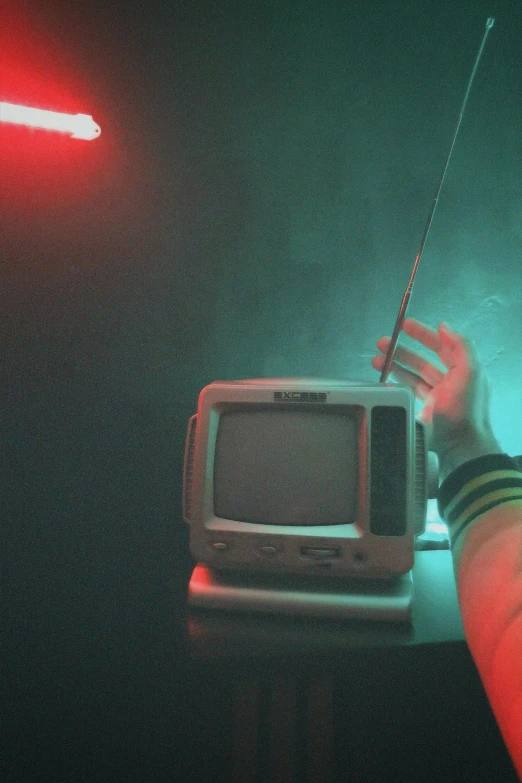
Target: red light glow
point(79, 126)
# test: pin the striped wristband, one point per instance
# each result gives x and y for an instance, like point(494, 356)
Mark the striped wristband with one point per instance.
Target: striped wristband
point(477, 486)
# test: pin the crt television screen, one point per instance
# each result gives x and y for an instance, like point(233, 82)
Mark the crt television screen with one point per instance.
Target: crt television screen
point(287, 467)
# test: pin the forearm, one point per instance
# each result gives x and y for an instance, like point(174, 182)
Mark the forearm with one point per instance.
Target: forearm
point(489, 583)
point(481, 502)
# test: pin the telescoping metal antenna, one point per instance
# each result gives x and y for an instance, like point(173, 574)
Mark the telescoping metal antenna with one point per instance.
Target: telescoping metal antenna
point(406, 298)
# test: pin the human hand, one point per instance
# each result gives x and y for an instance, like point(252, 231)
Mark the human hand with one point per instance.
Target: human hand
point(456, 399)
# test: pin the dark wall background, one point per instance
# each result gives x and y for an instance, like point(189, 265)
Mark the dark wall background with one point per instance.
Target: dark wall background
point(253, 207)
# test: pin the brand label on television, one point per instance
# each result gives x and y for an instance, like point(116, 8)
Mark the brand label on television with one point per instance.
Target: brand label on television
point(297, 396)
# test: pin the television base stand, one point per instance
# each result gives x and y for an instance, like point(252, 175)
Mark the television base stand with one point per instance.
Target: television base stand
point(310, 596)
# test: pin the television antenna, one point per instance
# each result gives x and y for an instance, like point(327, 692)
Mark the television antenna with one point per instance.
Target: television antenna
point(406, 297)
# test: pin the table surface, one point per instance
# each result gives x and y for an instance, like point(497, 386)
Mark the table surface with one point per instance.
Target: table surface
point(226, 635)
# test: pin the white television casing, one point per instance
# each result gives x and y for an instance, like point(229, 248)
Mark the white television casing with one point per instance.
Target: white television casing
point(355, 550)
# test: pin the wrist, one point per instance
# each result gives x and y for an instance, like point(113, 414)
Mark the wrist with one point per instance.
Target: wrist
point(472, 446)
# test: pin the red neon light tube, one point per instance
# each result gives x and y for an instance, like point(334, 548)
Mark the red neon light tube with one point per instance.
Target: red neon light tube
point(79, 126)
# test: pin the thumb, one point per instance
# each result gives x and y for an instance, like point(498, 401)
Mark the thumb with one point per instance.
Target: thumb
point(460, 350)
point(426, 414)
point(447, 335)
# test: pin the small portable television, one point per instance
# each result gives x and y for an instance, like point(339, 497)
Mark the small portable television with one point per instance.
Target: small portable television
point(305, 496)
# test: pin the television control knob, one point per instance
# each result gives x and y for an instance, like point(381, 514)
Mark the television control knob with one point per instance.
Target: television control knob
point(268, 550)
point(220, 546)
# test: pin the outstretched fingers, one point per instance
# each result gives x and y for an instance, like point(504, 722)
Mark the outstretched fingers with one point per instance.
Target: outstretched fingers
point(420, 388)
point(430, 338)
point(413, 362)
point(451, 347)
point(456, 353)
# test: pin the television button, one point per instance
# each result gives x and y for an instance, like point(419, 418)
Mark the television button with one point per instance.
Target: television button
point(268, 550)
point(320, 553)
point(219, 546)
